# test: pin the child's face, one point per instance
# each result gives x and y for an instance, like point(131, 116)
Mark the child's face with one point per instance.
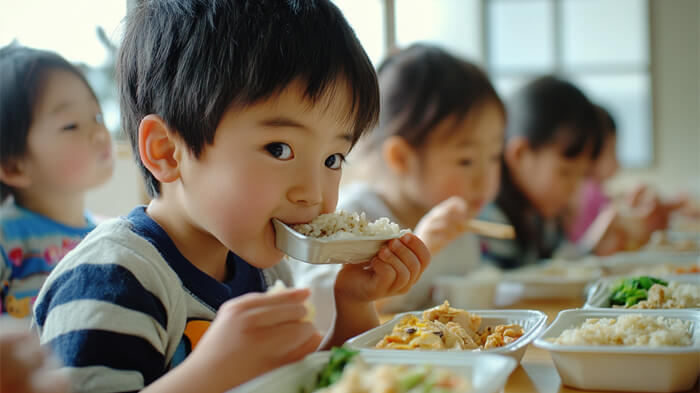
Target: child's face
point(462, 160)
point(280, 158)
point(606, 165)
point(549, 179)
point(68, 149)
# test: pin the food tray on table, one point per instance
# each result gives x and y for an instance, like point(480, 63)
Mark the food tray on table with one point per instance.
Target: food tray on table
point(599, 294)
point(486, 373)
point(532, 322)
point(624, 368)
point(554, 279)
point(636, 262)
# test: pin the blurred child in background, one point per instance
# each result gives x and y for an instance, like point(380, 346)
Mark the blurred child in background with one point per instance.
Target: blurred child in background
point(597, 223)
point(431, 164)
point(54, 147)
point(553, 136)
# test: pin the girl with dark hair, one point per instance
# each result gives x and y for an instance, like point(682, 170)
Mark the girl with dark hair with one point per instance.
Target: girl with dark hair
point(597, 223)
point(53, 148)
point(431, 164)
point(552, 138)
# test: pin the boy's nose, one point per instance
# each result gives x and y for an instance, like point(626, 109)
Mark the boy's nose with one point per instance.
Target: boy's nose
point(306, 192)
point(100, 135)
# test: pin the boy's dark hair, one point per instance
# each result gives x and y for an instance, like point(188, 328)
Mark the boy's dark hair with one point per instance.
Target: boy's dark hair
point(423, 85)
point(189, 61)
point(551, 110)
point(23, 73)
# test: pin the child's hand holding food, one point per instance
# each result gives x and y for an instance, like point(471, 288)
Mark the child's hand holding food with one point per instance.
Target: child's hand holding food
point(444, 223)
point(253, 334)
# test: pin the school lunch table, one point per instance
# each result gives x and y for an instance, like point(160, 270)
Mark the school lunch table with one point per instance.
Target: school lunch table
point(536, 372)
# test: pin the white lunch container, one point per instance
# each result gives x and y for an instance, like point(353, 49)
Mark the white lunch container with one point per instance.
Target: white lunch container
point(628, 262)
point(532, 322)
point(624, 368)
point(555, 279)
point(487, 373)
point(599, 294)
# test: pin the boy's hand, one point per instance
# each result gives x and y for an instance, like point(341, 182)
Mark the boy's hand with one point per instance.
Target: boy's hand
point(25, 367)
point(253, 334)
point(443, 223)
point(392, 271)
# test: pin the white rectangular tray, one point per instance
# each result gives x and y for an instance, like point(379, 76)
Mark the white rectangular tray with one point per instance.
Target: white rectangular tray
point(537, 281)
point(599, 294)
point(487, 373)
point(623, 368)
point(626, 262)
point(532, 322)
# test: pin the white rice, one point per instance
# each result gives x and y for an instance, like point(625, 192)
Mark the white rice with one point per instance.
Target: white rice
point(345, 225)
point(630, 329)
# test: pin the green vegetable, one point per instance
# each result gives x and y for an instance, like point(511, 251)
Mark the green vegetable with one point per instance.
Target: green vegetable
point(630, 291)
point(332, 371)
point(412, 379)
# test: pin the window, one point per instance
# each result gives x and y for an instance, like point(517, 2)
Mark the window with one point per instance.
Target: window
point(86, 34)
point(601, 45)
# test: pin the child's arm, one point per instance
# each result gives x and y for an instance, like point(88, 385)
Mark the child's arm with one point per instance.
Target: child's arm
point(393, 271)
point(251, 335)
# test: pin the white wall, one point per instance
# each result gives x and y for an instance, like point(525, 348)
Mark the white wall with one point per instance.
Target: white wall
point(675, 54)
point(122, 192)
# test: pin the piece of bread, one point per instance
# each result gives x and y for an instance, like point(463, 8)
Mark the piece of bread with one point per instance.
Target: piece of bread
point(310, 311)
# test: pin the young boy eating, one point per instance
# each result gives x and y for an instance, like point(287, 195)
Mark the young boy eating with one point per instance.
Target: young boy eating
point(238, 112)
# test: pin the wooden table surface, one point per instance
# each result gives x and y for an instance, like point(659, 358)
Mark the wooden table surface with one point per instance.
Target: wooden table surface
point(536, 372)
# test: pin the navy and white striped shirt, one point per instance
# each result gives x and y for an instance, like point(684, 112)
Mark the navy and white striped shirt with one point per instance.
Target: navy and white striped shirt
point(126, 306)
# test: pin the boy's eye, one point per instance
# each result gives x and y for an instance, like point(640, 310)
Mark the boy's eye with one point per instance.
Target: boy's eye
point(335, 161)
point(70, 127)
point(280, 150)
point(99, 119)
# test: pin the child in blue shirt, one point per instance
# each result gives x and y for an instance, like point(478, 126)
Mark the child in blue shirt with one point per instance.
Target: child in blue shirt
point(238, 112)
point(53, 148)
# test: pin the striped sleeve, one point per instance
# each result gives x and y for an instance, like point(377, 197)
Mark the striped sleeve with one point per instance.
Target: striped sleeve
point(105, 326)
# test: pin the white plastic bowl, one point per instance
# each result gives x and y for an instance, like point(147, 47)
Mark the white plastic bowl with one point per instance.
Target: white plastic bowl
point(599, 294)
point(532, 322)
point(488, 373)
point(624, 368)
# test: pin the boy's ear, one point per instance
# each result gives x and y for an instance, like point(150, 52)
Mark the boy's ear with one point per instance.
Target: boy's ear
point(515, 150)
point(14, 173)
point(399, 156)
point(158, 149)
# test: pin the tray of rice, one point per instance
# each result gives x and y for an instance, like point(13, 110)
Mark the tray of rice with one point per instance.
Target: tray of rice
point(444, 329)
point(342, 371)
point(625, 350)
point(646, 292)
point(339, 237)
